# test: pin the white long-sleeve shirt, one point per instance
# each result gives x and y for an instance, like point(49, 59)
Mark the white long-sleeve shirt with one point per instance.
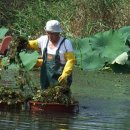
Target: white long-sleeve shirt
point(65, 47)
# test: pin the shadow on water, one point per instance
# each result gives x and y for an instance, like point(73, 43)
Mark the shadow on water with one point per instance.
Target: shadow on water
point(103, 105)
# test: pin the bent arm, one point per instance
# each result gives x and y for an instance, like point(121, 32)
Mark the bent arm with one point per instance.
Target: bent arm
point(33, 44)
point(71, 60)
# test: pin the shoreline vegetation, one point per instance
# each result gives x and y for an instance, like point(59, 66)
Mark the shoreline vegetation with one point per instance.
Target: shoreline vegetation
point(93, 25)
point(80, 18)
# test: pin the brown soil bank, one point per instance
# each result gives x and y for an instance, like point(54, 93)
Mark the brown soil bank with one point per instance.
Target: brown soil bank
point(101, 84)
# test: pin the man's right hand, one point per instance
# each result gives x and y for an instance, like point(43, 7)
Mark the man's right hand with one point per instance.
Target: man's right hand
point(22, 43)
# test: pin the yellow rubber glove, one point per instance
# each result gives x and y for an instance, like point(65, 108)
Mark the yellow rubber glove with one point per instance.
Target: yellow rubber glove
point(33, 44)
point(39, 62)
point(70, 58)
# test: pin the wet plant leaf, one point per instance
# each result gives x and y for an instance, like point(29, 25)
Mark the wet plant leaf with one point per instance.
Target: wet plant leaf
point(95, 51)
point(3, 31)
point(29, 59)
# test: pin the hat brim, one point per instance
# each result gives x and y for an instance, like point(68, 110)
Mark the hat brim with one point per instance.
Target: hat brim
point(53, 30)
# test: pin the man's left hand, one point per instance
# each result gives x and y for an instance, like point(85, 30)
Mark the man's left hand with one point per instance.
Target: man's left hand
point(62, 80)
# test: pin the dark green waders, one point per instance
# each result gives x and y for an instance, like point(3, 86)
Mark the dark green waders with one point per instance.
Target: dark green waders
point(51, 69)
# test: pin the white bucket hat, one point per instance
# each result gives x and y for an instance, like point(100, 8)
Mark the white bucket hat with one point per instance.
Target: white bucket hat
point(53, 26)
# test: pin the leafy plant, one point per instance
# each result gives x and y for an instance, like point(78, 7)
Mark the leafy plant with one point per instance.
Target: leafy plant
point(95, 51)
point(10, 96)
point(57, 94)
point(29, 59)
point(14, 62)
point(3, 31)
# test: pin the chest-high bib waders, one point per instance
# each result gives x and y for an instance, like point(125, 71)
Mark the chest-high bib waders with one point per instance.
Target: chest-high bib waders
point(51, 68)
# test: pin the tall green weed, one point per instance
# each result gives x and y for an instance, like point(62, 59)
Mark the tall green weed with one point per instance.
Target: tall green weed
point(79, 18)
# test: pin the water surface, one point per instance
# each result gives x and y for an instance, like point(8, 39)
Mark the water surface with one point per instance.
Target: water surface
point(104, 104)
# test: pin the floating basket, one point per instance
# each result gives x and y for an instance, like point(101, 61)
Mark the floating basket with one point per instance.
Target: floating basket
point(53, 107)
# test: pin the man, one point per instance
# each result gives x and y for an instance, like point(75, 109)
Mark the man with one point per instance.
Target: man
point(58, 56)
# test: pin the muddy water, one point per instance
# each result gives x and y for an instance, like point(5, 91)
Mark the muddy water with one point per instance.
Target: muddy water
point(104, 104)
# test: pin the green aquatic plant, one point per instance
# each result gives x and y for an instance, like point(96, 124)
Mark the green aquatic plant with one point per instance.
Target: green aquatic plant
point(94, 52)
point(57, 94)
point(13, 62)
point(10, 96)
point(19, 55)
point(3, 31)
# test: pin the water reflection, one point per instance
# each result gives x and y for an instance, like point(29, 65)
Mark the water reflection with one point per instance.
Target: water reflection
point(99, 114)
point(35, 121)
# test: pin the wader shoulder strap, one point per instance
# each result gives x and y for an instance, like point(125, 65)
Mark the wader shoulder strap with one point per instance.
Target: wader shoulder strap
point(60, 44)
point(45, 49)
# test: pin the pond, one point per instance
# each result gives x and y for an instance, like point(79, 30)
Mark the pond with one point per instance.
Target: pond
point(104, 104)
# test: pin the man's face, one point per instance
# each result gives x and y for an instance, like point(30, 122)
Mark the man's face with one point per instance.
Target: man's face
point(53, 36)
